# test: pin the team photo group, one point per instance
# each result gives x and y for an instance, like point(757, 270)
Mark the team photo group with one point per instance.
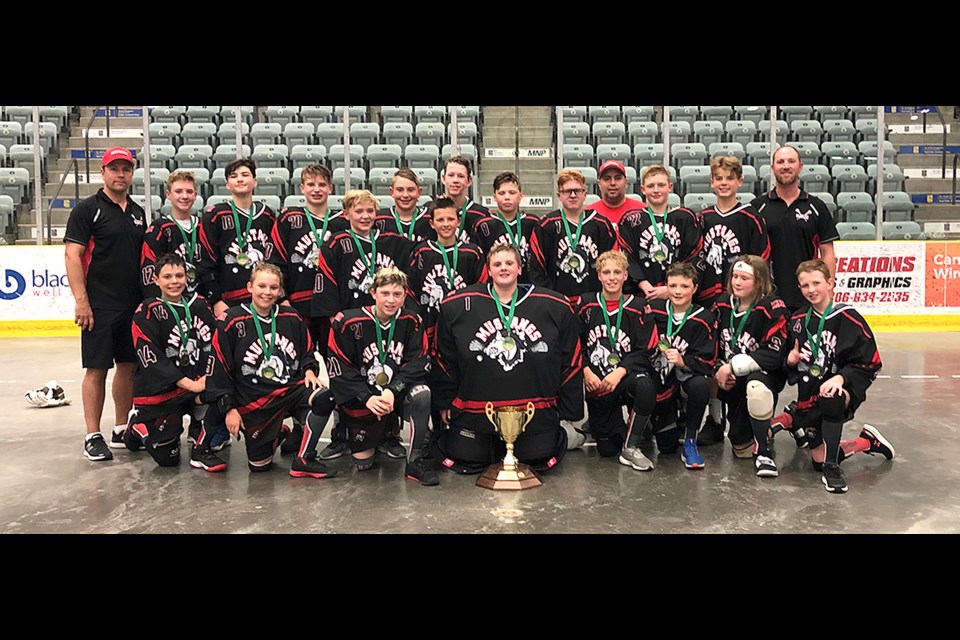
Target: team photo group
point(627, 324)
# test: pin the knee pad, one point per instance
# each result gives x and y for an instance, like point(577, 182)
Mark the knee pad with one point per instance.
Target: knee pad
point(609, 447)
point(832, 408)
point(462, 450)
point(814, 436)
point(419, 399)
point(166, 454)
point(644, 393)
point(759, 400)
point(321, 402)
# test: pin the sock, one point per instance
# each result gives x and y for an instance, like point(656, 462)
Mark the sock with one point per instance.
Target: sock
point(716, 410)
point(89, 436)
point(760, 428)
point(120, 428)
point(850, 447)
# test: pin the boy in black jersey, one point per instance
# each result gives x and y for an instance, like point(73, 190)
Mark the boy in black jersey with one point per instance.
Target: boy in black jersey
point(173, 336)
point(457, 178)
point(752, 334)
point(268, 371)
point(686, 354)
point(566, 245)
point(508, 223)
point(176, 233)
point(833, 360)
point(406, 217)
point(378, 363)
point(619, 341)
point(657, 237)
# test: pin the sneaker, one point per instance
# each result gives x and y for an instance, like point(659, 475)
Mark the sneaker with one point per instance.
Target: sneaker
point(878, 444)
point(193, 431)
point(116, 437)
point(95, 448)
point(421, 471)
point(391, 446)
point(204, 458)
point(690, 455)
point(633, 457)
point(310, 468)
point(710, 433)
point(334, 450)
point(766, 467)
point(291, 444)
point(220, 439)
point(833, 478)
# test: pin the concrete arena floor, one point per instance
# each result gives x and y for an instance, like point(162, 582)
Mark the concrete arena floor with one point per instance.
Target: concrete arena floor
point(47, 486)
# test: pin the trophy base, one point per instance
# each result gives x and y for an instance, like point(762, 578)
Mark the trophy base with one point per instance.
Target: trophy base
point(499, 480)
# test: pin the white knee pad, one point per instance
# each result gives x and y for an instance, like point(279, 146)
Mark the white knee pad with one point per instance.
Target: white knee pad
point(759, 400)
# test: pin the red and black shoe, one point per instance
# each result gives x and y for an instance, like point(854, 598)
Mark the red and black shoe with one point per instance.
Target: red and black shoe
point(310, 468)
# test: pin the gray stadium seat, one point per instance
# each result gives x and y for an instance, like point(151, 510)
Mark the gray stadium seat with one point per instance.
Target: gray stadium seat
point(806, 131)
point(619, 152)
point(694, 179)
point(837, 153)
point(815, 177)
point(358, 179)
point(698, 201)
point(273, 181)
point(162, 155)
point(825, 113)
point(364, 133)
point(576, 133)
point(22, 155)
point(298, 133)
point(383, 155)
point(857, 231)
point(608, 132)
point(901, 231)
point(467, 132)
point(858, 112)
point(218, 184)
point(647, 154)
point(422, 156)
point(295, 200)
point(849, 177)
point(265, 133)
point(391, 113)
point(578, 155)
point(866, 129)
point(15, 182)
point(897, 206)
point(199, 133)
point(708, 132)
point(189, 156)
point(164, 133)
point(228, 113)
point(758, 153)
point(282, 115)
point(720, 114)
point(742, 131)
point(893, 178)
point(828, 200)
point(856, 207)
point(227, 133)
point(783, 130)
point(688, 114)
point(224, 154)
point(752, 113)
point(203, 114)
point(399, 133)
point(751, 180)
point(58, 115)
point(168, 114)
point(680, 131)
point(642, 132)
point(329, 133)
point(839, 131)
point(794, 113)
point(637, 114)
point(467, 114)
point(435, 114)
point(428, 180)
point(574, 114)
point(868, 152)
point(158, 181)
point(809, 152)
point(303, 154)
point(687, 154)
point(727, 149)
point(603, 114)
point(335, 156)
point(11, 133)
point(430, 133)
point(315, 114)
point(271, 156)
point(380, 180)
point(468, 151)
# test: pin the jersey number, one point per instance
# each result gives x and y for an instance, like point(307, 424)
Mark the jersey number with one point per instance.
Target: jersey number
point(146, 355)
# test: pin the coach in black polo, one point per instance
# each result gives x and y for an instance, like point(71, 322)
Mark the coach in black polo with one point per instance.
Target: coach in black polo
point(102, 252)
point(800, 226)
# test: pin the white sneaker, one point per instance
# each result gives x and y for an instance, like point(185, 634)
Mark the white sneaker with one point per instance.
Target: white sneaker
point(766, 467)
point(633, 457)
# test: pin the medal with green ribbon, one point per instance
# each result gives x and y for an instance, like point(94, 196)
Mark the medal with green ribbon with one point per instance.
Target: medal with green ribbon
point(451, 270)
point(614, 358)
point(515, 236)
point(658, 253)
point(313, 228)
point(735, 335)
point(815, 370)
point(182, 326)
point(665, 343)
point(242, 258)
point(509, 343)
point(190, 245)
point(370, 264)
point(268, 372)
point(382, 378)
point(572, 259)
point(396, 217)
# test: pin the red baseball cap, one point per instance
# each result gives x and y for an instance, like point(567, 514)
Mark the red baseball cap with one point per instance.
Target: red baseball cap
point(612, 164)
point(117, 153)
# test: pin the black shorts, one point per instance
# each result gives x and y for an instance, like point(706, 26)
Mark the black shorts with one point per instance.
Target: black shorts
point(110, 341)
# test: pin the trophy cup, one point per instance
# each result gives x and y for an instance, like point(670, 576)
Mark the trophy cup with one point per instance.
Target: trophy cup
point(510, 474)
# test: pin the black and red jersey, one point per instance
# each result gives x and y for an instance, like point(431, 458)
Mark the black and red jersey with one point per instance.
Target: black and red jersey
point(636, 340)
point(247, 375)
point(537, 360)
point(680, 242)
point(385, 221)
point(165, 354)
point(353, 361)
point(221, 276)
point(569, 270)
point(429, 282)
point(846, 347)
point(162, 237)
point(727, 235)
point(763, 336)
point(695, 340)
point(343, 277)
point(296, 246)
point(494, 229)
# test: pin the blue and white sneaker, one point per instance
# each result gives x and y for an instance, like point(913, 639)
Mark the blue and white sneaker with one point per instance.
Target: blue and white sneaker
point(691, 456)
point(220, 439)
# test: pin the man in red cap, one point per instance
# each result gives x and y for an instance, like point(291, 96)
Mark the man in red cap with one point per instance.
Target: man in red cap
point(102, 253)
point(614, 202)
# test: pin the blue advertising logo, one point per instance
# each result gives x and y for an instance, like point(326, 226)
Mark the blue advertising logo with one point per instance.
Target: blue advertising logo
point(12, 285)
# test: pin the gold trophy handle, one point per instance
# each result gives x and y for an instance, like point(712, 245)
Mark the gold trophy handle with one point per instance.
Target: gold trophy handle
point(492, 416)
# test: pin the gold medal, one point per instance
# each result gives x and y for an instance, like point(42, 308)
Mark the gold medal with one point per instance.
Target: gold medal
point(191, 272)
point(382, 378)
point(659, 255)
point(613, 359)
point(573, 261)
point(664, 345)
point(815, 370)
point(242, 259)
point(269, 373)
point(509, 343)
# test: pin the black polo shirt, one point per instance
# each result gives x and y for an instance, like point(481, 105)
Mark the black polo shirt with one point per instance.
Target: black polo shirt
point(796, 233)
point(113, 239)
